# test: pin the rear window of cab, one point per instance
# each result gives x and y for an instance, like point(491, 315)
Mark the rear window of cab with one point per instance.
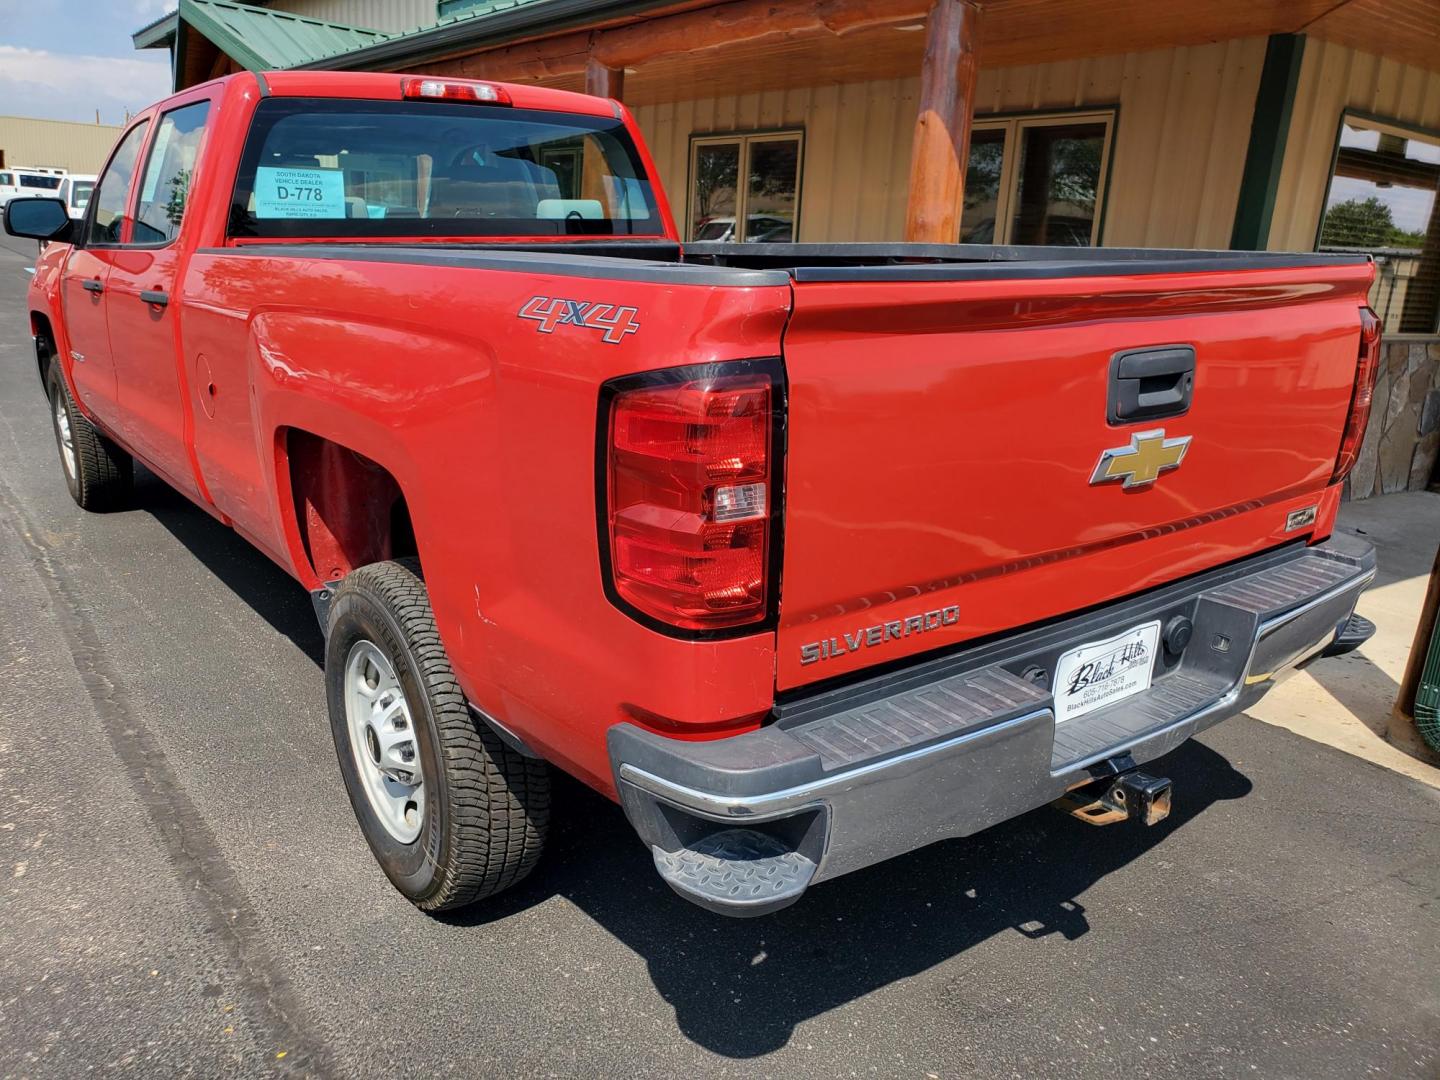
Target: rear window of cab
point(372, 169)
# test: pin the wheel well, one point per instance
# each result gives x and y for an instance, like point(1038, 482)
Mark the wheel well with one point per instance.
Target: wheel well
point(349, 509)
point(44, 345)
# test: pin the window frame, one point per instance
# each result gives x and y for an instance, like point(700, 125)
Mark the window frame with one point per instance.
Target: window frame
point(261, 125)
point(742, 175)
point(93, 207)
point(1386, 125)
point(148, 152)
point(1014, 124)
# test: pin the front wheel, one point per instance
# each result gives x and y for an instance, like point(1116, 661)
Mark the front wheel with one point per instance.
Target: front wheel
point(451, 813)
point(98, 473)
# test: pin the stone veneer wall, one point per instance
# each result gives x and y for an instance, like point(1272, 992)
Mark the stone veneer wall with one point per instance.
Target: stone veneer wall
point(1403, 441)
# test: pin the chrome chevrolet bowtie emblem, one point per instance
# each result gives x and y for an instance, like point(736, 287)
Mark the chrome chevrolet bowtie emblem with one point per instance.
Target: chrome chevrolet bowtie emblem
point(1149, 454)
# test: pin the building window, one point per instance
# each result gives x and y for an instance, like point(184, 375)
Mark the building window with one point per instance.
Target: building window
point(746, 188)
point(1037, 179)
point(1383, 201)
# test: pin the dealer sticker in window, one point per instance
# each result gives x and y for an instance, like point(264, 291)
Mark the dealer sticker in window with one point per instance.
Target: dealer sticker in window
point(1104, 672)
point(299, 193)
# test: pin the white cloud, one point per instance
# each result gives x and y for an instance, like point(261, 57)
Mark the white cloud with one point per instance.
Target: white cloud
point(66, 86)
point(151, 9)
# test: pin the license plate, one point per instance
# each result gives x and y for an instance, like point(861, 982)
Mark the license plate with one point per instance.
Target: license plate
point(1104, 672)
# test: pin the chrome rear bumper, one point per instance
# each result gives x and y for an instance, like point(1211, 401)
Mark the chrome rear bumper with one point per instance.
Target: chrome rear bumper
point(847, 777)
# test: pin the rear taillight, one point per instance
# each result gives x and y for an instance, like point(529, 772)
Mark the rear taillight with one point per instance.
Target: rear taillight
point(689, 490)
point(1365, 372)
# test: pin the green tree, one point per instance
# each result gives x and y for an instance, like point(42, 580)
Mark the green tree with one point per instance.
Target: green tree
point(1358, 223)
point(716, 176)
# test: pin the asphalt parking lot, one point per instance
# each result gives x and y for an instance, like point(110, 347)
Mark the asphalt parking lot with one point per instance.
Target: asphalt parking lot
point(185, 891)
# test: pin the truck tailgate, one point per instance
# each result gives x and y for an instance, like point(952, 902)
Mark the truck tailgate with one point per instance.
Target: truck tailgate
point(944, 435)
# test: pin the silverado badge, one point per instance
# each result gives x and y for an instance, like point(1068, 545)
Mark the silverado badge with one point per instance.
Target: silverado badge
point(1149, 454)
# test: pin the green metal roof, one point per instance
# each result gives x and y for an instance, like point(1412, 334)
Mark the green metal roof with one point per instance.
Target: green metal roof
point(259, 39)
point(487, 24)
point(263, 39)
point(463, 10)
point(157, 33)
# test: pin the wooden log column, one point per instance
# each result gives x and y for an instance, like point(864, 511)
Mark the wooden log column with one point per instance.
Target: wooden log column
point(942, 128)
point(603, 81)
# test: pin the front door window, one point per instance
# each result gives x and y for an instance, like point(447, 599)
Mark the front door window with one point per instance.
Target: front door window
point(111, 194)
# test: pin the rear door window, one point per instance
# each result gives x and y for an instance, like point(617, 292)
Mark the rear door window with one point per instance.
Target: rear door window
point(345, 168)
point(165, 189)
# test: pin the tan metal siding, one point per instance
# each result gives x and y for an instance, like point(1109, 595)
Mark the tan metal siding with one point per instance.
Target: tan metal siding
point(80, 148)
point(1181, 132)
point(391, 15)
point(1334, 78)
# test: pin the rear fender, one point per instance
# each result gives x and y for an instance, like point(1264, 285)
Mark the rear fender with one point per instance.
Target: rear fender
point(352, 403)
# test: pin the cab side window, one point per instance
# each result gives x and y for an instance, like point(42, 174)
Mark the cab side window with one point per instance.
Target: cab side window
point(114, 187)
point(166, 185)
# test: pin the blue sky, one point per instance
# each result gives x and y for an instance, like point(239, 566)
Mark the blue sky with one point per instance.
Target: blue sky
point(63, 59)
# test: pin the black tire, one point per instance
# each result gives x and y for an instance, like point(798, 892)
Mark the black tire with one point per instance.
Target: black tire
point(103, 475)
point(486, 807)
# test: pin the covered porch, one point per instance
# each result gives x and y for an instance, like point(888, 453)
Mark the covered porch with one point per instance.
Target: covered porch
point(1279, 124)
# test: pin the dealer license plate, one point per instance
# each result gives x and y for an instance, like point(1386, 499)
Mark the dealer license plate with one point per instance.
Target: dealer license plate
point(1104, 672)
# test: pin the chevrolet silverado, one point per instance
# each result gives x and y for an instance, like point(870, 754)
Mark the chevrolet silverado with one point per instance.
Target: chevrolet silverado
point(808, 555)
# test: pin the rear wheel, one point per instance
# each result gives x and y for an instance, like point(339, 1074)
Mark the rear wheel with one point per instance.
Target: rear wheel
point(451, 813)
point(98, 473)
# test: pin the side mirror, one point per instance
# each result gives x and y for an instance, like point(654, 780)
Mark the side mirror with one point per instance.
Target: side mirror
point(40, 219)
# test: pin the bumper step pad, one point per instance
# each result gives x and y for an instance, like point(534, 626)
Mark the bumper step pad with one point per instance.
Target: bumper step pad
point(738, 871)
point(937, 711)
point(1166, 701)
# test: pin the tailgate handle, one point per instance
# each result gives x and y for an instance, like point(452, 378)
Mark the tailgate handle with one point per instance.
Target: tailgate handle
point(1151, 384)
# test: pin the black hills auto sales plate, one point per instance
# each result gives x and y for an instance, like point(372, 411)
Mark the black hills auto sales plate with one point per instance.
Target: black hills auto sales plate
point(1104, 672)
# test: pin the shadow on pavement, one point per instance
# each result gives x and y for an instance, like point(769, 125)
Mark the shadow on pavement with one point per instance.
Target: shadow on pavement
point(1362, 688)
point(270, 592)
point(740, 987)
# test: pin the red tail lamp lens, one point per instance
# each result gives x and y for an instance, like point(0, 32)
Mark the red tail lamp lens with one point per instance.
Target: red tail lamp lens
point(690, 495)
point(1365, 373)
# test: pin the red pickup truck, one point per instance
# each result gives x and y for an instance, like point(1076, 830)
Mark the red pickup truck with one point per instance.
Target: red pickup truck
point(807, 555)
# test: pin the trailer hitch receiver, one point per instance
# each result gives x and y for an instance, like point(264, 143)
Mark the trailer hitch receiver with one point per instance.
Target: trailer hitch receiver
point(1133, 796)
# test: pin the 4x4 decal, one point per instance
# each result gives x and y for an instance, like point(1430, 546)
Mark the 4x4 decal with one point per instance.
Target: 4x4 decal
point(550, 312)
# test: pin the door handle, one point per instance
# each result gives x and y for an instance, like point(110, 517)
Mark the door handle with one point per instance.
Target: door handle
point(157, 297)
point(94, 285)
point(1151, 384)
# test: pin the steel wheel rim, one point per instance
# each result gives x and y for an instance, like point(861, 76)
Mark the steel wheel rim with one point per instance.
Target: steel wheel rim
point(67, 437)
point(382, 741)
